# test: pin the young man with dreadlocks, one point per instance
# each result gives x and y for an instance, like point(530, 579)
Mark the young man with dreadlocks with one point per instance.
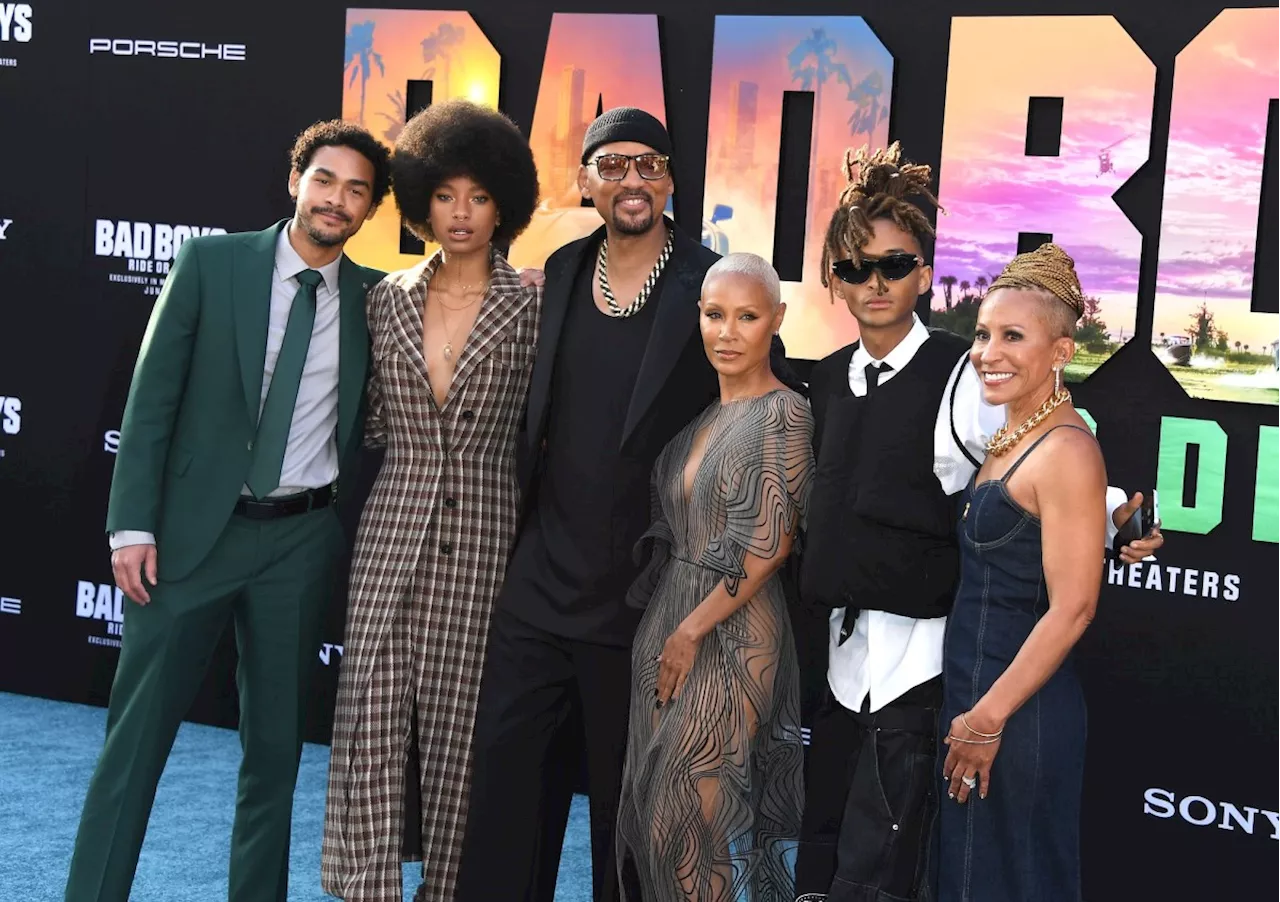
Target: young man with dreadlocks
point(900, 426)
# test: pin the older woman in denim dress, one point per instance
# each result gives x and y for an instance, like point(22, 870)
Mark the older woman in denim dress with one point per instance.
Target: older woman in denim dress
point(1033, 519)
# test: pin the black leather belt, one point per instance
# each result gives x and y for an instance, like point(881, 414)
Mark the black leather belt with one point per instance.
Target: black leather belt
point(287, 505)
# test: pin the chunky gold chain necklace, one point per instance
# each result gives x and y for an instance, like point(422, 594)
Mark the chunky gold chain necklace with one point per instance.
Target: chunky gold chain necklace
point(602, 263)
point(1003, 440)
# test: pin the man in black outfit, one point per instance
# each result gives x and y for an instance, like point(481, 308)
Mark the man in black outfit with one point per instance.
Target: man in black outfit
point(620, 370)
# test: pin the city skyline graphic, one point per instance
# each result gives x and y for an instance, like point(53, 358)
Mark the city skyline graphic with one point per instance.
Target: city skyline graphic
point(755, 61)
point(585, 70)
point(385, 50)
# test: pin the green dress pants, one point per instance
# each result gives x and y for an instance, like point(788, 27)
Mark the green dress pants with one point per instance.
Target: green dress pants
point(275, 578)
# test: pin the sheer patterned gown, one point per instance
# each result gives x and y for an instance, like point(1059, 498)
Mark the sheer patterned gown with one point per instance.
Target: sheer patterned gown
point(712, 793)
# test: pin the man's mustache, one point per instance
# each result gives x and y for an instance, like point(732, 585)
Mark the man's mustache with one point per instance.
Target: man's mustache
point(329, 211)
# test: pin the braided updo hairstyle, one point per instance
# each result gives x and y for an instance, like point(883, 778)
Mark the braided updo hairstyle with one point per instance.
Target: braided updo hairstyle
point(878, 186)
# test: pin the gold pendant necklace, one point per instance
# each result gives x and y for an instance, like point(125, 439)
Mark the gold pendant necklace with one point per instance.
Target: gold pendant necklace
point(447, 350)
point(1003, 440)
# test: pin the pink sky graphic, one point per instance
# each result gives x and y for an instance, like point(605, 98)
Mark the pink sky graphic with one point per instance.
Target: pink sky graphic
point(1223, 82)
point(992, 190)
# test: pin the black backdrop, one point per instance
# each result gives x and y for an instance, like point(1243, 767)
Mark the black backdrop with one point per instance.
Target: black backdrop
point(1182, 689)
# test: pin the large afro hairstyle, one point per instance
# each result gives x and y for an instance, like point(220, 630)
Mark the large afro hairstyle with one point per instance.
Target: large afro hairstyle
point(460, 138)
point(339, 133)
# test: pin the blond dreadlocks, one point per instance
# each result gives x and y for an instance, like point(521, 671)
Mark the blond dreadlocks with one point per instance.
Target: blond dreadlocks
point(878, 188)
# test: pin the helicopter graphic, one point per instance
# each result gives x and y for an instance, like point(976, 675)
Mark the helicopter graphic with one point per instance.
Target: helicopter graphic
point(1105, 164)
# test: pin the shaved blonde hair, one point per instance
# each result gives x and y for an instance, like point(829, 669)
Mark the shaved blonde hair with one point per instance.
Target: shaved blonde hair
point(751, 266)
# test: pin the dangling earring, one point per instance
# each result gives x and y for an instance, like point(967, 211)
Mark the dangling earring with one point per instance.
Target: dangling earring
point(1057, 380)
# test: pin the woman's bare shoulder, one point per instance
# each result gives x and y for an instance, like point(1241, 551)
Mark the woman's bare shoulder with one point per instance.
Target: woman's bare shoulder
point(1070, 460)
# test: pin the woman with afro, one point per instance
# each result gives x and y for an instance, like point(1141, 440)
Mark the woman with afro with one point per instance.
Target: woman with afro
point(453, 346)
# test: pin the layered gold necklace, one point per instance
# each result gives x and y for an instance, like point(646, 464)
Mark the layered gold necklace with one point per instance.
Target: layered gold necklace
point(1004, 439)
point(463, 290)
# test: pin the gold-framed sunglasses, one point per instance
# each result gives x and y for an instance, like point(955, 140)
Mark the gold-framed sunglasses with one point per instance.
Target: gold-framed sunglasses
point(613, 167)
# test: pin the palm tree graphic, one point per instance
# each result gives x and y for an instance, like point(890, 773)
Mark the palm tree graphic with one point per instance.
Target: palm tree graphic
point(441, 45)
point(396, 121)
point(948, 282)
point(868, 111)
point(361, 58)
point(812, 63)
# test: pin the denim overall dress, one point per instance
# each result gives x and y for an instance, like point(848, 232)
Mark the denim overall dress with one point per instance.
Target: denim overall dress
point(1022, 842)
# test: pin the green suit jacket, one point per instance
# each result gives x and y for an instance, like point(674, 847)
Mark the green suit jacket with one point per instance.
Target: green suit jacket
point(192, 412)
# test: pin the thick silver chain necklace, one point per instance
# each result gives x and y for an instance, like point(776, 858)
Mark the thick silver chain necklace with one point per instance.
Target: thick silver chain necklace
point(602, 258)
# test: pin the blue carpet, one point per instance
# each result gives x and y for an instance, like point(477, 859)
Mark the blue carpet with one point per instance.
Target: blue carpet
point(47, 754)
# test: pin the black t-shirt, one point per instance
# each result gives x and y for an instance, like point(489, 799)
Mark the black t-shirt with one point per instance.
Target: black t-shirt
point(569, 571)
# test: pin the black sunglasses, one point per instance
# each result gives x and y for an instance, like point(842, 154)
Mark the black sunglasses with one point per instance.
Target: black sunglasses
point(613, 166)
point(892, 267)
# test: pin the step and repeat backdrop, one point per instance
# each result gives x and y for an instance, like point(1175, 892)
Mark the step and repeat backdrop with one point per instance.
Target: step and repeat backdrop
point(1138, 134)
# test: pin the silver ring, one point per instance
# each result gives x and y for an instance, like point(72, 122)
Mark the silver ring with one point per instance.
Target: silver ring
point(969, 781)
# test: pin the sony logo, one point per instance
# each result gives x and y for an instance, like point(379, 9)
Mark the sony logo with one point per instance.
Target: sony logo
point(187, 50)
point(1202, 812)
point(15, 22)
point(10, 605)
point(4, 228)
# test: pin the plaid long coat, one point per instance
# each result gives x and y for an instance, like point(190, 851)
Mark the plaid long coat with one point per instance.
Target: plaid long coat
point(432, 546)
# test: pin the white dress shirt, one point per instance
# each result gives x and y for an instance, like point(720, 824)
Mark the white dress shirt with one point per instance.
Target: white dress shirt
point(888, 654)
point(311, 452)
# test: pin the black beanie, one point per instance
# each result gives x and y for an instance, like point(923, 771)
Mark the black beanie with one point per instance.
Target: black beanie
point(625, 123)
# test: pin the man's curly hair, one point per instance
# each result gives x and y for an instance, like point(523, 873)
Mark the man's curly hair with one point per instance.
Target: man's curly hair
point(460, 138)
point(879, 185)
point(340, 133)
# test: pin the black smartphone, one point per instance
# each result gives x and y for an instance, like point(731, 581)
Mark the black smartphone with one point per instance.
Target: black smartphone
point(1144, 520)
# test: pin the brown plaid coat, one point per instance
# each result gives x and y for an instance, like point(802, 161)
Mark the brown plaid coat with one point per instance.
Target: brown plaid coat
point(429, 560)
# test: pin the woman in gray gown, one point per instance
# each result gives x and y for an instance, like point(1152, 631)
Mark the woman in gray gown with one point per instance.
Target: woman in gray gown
point(712, 792)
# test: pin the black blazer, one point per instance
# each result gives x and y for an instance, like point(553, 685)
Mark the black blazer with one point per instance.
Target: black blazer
point(675, 383)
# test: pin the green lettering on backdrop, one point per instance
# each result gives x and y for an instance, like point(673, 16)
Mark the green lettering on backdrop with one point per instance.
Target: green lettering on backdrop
point(1266, 492)
point(1205, 512)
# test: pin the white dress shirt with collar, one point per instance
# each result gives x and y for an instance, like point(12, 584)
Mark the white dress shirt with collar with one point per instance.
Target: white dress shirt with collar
point(888, 654)
point(311, 453)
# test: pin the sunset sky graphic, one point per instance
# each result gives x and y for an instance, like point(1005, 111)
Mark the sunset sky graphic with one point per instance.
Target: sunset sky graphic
point(992, 190)
point(386, 49)
point(756, 60)
point(1223, 82)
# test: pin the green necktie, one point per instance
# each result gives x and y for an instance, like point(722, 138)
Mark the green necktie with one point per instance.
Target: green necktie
point(277, 411)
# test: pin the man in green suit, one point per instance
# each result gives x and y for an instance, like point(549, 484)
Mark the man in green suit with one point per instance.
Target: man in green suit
point(245, 407)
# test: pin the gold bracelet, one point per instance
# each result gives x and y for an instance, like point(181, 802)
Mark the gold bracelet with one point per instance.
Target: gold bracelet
point(964, 719)
point(974, 741)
